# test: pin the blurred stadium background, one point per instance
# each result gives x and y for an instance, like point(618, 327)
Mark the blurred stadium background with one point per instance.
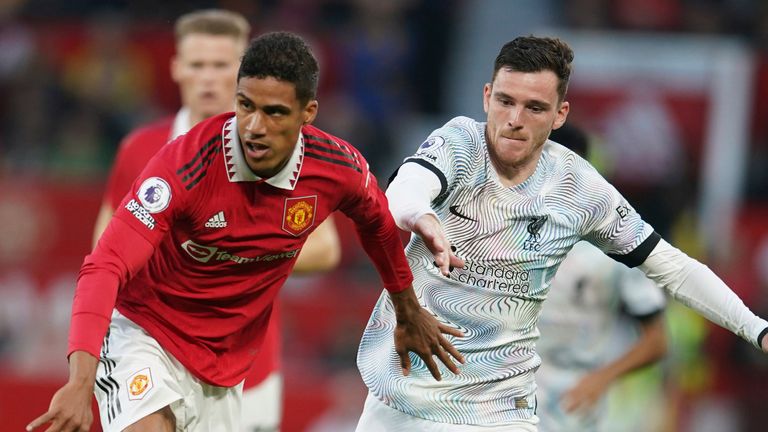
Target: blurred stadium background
point(674, 93)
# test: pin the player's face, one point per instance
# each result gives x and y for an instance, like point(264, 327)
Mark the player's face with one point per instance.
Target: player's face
point(269, 120)
point(522, 108)
point(205, 68)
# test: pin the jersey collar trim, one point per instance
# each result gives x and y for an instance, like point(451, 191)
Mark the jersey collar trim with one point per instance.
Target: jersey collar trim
point(238, 170)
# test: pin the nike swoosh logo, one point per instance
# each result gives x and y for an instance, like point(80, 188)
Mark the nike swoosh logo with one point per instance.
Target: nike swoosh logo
point(454, 209)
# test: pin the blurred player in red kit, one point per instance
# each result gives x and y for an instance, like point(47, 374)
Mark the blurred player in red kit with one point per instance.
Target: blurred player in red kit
point(209, 44)
point(170, 311)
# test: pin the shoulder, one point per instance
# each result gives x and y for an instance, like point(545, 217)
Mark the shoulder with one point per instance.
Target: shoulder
point(330, 150)
point(191, 156)
point(460, 131)
point(571, 171)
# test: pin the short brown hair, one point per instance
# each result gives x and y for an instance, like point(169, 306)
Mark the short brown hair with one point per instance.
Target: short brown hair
point(213, 22)
point(536, 54)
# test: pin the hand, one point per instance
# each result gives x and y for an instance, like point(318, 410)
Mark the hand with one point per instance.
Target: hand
point(429, 229)
point(70, 408)
point(586, 392)
point(418, 331)
point(765, 343)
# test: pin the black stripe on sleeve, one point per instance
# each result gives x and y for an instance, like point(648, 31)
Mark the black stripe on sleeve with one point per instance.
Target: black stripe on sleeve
point(333, 161)
point(427, 165)
point(309, 145)
point(761, 336)
point(640, 253)
point(199, 154)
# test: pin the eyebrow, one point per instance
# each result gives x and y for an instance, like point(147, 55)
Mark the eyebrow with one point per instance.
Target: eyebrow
point(283, 109)
point(541, 103)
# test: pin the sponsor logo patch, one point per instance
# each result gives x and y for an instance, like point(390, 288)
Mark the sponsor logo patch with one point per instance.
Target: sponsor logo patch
point(206, 254)
point(141, 213)
point(154, 194)
point(139, 384)
point(217, 221)
point(299, 214)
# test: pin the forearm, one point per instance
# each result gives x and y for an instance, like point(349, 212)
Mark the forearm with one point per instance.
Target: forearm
point(411, 193)
point(119, 254)
point(82, 368)
point(697, 287)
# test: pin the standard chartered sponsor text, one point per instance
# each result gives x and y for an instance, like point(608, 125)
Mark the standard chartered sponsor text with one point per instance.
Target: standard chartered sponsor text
point(495, 278)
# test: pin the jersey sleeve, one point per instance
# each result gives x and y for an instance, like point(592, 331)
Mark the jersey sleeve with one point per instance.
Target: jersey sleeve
point(367, 206)
point(156, 197)
point(612, 224)
point(447, 152)
point(141, 221)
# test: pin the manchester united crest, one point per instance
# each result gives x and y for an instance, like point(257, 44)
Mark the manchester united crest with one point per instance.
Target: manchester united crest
point(299, 214)
point(139, 384)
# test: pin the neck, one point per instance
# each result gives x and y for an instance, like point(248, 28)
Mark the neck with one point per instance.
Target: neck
point(514, 174)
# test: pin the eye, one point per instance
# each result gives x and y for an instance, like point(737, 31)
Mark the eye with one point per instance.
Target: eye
point(245, 104)
point(536, 109)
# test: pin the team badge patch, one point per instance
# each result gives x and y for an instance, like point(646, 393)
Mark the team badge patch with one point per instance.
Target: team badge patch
point(155, 194)
point(299, 214)
point(139, 384)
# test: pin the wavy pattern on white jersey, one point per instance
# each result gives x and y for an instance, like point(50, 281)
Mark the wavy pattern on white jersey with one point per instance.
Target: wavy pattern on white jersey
point(513, 240)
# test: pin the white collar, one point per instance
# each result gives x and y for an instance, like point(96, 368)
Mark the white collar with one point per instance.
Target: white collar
point(181, 124)
point(238, 169)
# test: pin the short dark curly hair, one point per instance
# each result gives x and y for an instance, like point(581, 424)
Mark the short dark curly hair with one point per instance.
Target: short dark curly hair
point(536, 54)
point(283, 56)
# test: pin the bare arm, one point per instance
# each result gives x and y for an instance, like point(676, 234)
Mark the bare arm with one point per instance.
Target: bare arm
point(70, 408)
point(322, 251)
point(649, 348)
point(102, 220)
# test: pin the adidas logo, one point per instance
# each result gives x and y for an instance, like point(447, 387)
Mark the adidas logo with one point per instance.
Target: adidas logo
point(217, 221)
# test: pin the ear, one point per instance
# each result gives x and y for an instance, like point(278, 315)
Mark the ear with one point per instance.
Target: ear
point(310, 112)
point(487, 96)
point(561, 115)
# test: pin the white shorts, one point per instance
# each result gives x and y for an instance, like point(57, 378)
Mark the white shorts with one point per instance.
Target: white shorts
point(379, 417)
point(137, 377)
point(262, 407)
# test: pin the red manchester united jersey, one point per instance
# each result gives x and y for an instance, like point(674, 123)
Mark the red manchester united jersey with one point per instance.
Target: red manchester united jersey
point(201, 245)
point(132, 156)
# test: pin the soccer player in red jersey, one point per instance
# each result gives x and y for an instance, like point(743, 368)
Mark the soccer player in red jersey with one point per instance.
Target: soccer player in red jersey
point(169, 313)
point(209, 44)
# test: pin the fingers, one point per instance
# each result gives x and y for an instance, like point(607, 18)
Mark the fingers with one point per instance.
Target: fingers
point(450, 349)
point(432, 366)
point(45, 418)
point(405, 361)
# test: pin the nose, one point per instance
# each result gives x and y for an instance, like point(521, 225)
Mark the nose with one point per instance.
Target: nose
point(254, 124)
point(514, 117)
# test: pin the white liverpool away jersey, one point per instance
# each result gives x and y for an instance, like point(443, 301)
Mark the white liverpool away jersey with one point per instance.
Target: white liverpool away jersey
point(512, 240)
point(590, 318)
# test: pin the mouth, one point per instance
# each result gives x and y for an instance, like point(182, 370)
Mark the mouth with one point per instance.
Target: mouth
point(255, 150)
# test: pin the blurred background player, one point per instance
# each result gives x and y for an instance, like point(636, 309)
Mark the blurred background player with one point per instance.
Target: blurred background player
point(589, 329)
point(209, 46)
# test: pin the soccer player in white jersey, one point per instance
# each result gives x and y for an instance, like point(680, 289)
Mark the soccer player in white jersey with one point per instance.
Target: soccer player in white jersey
point(600, 322)
point(507, 205)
